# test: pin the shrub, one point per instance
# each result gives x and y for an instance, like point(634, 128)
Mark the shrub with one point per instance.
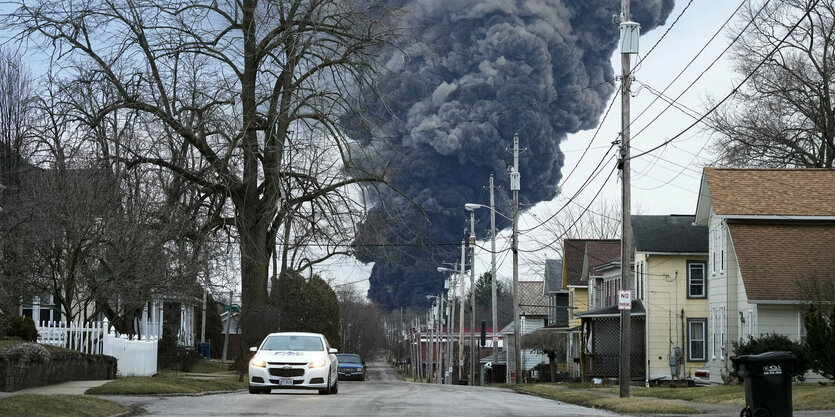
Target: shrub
point(820, 339)
point(173, 357)
point(771, 343)
point(24, 328)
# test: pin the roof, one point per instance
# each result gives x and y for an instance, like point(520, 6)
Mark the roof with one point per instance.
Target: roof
point(637, 310)
point(780, 192)
point(501, 361)
point(780, 262)
point(553, 275)
point(574, 256)
point(532, 300)
point(669, 234)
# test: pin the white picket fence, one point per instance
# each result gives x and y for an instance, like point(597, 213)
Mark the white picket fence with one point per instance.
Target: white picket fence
point(134, 357)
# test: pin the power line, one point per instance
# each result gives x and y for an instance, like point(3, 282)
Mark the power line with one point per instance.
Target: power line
point(735, 89)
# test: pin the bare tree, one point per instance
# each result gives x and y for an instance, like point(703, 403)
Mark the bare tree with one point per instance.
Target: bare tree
point(16, 114)
point(361, 329)
point(784, 116)
point(225, 82)
point(599, 219)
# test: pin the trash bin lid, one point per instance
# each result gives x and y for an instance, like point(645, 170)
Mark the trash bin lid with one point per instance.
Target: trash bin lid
point(764, 357)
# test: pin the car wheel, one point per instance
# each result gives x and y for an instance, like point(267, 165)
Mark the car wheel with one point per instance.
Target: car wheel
point(335, 388)
point(326, 390)
point(254, 390)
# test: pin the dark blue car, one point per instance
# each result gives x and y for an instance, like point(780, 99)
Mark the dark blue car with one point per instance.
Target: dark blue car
point(350, 366)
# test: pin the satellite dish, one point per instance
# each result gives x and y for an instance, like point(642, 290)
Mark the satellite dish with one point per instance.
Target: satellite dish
point(488, 365)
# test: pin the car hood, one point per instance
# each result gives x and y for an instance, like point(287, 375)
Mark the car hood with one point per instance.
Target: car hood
point(289, 355)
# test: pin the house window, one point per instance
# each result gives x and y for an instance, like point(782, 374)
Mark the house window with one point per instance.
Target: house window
point(697, 339)
point(801, 327)
point(722, 332)
point(722, 244)
point(696, 285)
point(713, 333)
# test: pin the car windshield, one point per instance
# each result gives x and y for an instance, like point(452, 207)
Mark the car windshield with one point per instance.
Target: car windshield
point(297, 343)
point(348, 358)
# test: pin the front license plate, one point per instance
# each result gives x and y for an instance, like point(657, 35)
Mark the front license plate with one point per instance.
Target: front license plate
point(283, 382)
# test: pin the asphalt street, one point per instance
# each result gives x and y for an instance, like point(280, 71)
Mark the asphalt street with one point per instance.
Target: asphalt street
point(384, 394)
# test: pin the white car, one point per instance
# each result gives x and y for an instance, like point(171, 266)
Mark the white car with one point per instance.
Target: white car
point(295, 361)
point(702, 375)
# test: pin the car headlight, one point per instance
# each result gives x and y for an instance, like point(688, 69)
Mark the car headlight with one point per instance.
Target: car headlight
point(318, 363)
point(258, 362)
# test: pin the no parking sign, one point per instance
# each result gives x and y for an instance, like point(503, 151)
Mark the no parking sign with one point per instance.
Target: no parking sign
point(624, 300)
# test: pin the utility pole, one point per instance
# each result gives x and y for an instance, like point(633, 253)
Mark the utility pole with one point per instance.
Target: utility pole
point(472, 297)
point(203, 318)
point(226, 337)
point(493, 271)
point(461, 320)
point(626, 30)
point(430, 369)
point(515, 181)
point(453, 286)
point(440, 334)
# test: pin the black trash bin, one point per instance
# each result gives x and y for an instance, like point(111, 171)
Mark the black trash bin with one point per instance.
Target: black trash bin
point(768, 383)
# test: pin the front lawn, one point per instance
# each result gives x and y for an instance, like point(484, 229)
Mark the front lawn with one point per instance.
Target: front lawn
point(618, 405)
point(166, 384)
point(806, 396)
point(59, 405)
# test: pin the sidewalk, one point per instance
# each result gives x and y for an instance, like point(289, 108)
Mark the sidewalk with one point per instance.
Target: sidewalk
point(67, 388)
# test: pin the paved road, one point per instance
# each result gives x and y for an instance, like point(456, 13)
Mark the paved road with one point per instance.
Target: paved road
point(384, 394)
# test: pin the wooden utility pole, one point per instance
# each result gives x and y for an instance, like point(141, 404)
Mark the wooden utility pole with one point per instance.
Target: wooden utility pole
point(626, 224)
point(515, 184)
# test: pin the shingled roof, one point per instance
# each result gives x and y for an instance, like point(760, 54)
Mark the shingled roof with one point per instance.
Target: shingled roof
point(669, 234)
point(779, 262)
point(779, 192)
point(574, 255)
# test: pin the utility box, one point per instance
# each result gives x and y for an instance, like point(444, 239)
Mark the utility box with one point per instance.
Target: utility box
point(630, 32)
point(768, 383)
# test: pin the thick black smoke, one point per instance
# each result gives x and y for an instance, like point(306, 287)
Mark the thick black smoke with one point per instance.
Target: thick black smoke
point(452, 103)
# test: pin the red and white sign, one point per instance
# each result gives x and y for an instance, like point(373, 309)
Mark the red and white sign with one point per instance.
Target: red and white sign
point(624, 300)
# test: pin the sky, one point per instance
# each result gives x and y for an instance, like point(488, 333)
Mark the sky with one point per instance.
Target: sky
point(664, 182)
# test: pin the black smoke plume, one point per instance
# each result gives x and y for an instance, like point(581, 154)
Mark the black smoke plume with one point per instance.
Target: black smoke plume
point(451, 104)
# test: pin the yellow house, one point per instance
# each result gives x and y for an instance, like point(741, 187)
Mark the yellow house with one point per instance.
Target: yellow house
point(580, 256)
point(670, 267)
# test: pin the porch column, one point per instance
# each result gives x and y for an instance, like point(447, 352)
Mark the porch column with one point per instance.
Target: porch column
point(36, 310)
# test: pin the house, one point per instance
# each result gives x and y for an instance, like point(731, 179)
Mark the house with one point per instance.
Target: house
point(579, 256)
point(533, 313)
point(599, 335)
point(670, 267)
point(771, 241)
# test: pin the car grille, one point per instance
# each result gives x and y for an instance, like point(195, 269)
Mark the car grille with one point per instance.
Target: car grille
point(286, 372)
point(287, 363)
point(348, 369)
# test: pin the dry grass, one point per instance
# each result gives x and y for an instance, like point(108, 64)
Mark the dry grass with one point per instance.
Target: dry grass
point(165, 384)
point(618, 405)
point(807, 396)
point(59, 405)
